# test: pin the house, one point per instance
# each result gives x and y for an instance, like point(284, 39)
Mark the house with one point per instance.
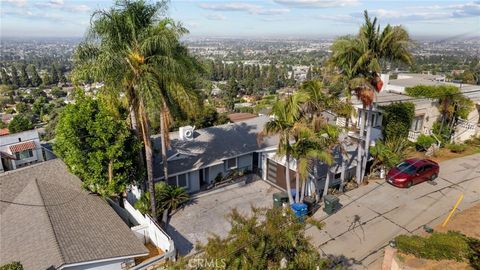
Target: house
point(197, 162)
point(48, 221)
point(426, 110)
point(238, 117)
point(19, 150)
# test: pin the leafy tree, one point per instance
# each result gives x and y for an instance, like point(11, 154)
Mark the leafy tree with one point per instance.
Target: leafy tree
point(46, 79)
point(22, 107)
point(267, 239)
point(54, 79)
point(96, 146)
point(389, 152)
point(397, 119)
point(231, 93)
point(136, 52)
point(19, 123)
point(58, 92)
point(24, 79)
point(35, 78)
point(14, 78)
point(4, 76)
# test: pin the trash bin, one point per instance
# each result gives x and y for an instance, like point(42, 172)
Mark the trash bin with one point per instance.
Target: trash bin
point(279, 198)
point(300, 210)
point(311, 204)
point(332, 203)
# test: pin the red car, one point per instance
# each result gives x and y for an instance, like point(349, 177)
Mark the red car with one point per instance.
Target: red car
point(413, 171)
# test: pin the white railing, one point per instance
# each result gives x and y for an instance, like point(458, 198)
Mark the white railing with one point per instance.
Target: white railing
point(466, 124)
point(341, 122)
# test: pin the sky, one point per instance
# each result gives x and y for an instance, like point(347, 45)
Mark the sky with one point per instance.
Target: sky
point(254, 18)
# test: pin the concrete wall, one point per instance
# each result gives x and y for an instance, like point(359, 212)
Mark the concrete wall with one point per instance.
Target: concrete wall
point(214, 171)
point(193, 181)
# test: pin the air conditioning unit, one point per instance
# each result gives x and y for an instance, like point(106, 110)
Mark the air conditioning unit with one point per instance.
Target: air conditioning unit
point(186, 133)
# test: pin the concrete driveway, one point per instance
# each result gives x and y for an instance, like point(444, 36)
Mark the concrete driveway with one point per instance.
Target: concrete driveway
point(206, 215)
point(373, 215)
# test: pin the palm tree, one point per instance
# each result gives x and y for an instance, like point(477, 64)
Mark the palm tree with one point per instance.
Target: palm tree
point(171, 197)
point(286, 114)
point(137, 54)
point(361, 58)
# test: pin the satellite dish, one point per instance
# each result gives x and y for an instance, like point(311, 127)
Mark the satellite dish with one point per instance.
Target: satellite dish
point(186, 133)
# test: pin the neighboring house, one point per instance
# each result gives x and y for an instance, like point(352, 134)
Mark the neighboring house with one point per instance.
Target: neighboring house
point(19, 150)
point(426, 110)
point(211, 153)
point(239, 117)
point(48, 221)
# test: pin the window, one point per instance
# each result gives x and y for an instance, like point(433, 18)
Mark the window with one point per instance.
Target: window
point(172, 180)
point(417, 123)
point(406, 168)
point(182, 180)
point(231, 163)
point(24, 154)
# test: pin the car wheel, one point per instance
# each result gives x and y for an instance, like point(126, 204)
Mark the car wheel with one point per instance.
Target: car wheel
point(433, 177)
point(409, 184)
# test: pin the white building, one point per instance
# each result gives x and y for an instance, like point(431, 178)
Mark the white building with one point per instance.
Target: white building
point(19, 150)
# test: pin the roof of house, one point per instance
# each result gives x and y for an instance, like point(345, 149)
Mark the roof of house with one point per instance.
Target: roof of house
point(213, 145)
point(48, 220)
point(23, 146)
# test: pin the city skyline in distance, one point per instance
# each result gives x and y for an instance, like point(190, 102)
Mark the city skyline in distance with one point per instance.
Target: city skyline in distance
point(267, 19)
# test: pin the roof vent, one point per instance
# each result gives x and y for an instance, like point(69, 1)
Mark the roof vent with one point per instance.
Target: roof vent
point(186, 133)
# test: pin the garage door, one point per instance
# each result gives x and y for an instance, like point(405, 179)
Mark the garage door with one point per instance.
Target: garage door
point(276, 174)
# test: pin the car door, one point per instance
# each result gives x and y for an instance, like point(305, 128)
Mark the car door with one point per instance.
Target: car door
point(427, 172)
point(419, 175)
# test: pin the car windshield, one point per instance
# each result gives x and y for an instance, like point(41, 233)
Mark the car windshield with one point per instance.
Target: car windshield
point(406, 167)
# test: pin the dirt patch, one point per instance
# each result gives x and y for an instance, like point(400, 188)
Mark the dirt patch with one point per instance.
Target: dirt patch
point(466, 222)
point(412, 262)
point(442, 154)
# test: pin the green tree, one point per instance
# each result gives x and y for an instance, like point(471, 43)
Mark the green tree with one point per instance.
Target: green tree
point(97, 146)
point(4, 76)
point(231, 93)
point(19, 123)
point(397, 119)
point(14, 77)
point(35, 78)
point(12, 266)
point(24, 79)
point(266, 239)
point(54, 79)
point(135, 51)
point(22, 107)
point(58, 92)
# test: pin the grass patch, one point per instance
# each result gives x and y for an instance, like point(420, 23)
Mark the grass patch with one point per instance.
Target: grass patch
point(438, 246)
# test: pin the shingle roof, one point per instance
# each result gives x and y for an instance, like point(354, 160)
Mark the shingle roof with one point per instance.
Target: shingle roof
point(20, 147)
point(214, 144)
point(48, 220)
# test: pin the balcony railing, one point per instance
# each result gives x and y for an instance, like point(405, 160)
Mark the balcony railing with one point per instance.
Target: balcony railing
point(466, 124)
point(413, 135)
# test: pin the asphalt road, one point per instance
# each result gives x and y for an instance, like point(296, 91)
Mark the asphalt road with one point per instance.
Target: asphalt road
point(374, 214)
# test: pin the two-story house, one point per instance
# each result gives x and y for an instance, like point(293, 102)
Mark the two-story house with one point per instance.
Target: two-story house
point(19, 149)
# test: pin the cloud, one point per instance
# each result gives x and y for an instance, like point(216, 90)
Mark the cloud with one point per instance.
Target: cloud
point(244, 7)
point(471, 9)
point(78, 8)
point(18, 3)
point(316, 3)
point(215, 17)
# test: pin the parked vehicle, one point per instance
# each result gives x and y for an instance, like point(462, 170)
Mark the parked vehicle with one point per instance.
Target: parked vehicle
point(413, 171)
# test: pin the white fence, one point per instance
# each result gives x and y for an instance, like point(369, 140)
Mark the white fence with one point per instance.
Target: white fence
point(149, 230)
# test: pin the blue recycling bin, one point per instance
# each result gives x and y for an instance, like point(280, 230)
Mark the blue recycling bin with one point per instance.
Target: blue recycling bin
point(300, 210)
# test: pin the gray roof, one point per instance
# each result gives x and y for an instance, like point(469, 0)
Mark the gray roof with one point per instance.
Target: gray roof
point(48, 220)
point(213, 145)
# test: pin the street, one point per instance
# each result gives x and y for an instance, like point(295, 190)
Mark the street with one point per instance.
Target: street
point(374, 214)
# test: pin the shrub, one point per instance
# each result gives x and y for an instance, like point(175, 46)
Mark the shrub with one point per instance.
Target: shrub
point(457, 148)
point(424, 142)
point(12, 266)
point(397, 119)
point(450, 245)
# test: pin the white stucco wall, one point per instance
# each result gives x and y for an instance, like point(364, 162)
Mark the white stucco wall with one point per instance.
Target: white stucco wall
point(193, 181)
point(245, 161)
point(214, 171)
point(110, 265)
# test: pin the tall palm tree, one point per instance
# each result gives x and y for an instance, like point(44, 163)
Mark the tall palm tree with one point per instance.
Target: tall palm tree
point(361, 59)
point(285, 114)
point(138, 56)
